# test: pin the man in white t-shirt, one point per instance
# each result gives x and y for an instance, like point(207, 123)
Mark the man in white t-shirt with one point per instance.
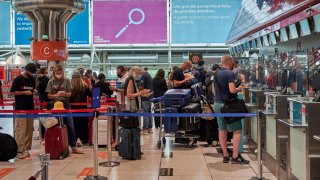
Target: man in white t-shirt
point(122, 77)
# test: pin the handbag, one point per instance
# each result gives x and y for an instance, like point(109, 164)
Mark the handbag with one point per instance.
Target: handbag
point(49, 122)
point(234, 105)
point(129, 122)
point(207, 108)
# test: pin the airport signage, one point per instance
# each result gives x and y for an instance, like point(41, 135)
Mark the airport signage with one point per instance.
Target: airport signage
point(49, 50)
point(5, 23)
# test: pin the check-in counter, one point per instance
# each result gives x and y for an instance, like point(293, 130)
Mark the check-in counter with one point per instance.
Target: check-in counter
point(256, 104)
point(277, 134)
point(304, 149)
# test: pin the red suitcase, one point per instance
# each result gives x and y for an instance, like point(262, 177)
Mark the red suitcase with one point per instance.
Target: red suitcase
point(57, 144)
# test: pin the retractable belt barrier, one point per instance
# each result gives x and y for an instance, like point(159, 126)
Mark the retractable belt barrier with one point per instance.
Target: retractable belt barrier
point(105, 112)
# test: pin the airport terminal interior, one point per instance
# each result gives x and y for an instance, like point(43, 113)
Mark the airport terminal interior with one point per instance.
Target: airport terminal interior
point(160, 89)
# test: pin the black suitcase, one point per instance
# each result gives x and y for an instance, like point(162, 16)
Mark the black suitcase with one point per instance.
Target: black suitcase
point(190, 124)
point(129, 122)
point(9, 147)
point(129, 143)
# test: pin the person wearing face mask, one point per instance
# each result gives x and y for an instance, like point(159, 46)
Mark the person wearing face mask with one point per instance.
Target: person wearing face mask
point(22, 88)
point(180, 79)
point(131, 91)
point(122, 76)
point(59, 89)
point(41, 85)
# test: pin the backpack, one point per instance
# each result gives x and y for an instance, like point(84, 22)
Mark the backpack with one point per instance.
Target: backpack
point(208, 88)
point(9, 147)
point(199, 74)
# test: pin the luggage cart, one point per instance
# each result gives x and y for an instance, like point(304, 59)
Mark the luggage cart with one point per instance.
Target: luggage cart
point(181, 136)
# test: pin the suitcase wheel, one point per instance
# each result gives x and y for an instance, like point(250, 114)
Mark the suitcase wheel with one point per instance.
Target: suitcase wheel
point(209, 141)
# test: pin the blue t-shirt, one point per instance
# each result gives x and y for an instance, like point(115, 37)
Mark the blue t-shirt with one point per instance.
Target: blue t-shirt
point(146, 83)
point(221, 85)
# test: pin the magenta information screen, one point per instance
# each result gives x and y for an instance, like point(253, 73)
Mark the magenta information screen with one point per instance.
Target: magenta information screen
point(130, 22)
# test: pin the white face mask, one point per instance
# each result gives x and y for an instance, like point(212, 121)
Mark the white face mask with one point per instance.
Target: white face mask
point(235, 70)
point(59, 76)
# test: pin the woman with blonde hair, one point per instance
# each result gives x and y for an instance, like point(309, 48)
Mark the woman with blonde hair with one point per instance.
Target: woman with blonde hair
point(131, 91)
point(79, 94)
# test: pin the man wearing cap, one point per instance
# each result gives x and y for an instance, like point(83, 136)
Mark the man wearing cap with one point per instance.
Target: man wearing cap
point(22, 88)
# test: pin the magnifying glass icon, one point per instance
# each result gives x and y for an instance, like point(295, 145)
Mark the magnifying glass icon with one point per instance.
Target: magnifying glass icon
point(131, 21)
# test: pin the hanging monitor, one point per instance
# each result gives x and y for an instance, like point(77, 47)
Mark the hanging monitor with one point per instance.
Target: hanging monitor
point(254, 44)
point(259, 42)
point(273, 40)
point(317, 22)
point(283, 35)
point(265, 40)
point(305, 28)
point(293, 31)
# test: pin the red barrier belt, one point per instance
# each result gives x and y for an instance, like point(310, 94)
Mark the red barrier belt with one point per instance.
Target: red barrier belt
point(52, 111)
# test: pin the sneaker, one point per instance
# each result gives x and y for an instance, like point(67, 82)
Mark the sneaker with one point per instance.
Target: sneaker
point(77, 151)
point(239, 160)
point(226, 159)
point(79, 143)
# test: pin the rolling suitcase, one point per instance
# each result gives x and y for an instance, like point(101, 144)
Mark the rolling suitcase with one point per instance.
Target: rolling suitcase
point(190, 124)
point(177, 98)
point(57, 144)
point(170, 123)
point(129, 143)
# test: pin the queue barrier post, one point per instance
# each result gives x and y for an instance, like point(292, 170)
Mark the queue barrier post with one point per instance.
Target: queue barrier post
point(44, 169)
point(95, 175)
point(109, 162)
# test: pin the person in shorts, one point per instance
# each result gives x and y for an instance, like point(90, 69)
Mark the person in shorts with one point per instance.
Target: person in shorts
point(224, 90)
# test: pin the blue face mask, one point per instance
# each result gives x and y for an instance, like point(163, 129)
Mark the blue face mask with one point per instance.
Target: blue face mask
point(138, 78)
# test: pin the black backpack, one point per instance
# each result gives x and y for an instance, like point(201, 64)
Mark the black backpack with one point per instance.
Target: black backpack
point(9, 147)
point(208, 90)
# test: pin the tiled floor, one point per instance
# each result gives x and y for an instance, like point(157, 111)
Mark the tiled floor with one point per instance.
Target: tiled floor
point(198, 163)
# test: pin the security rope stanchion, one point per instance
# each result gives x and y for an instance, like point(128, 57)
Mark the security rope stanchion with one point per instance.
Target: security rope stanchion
point(95, 176)
point(260, 168)
point(43, 170)
point(109, 162)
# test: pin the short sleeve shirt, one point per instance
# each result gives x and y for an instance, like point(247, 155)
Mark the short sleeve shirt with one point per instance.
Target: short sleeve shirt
point(221, 85)
point(23, 102)
point(178, 75)
point(56, 85)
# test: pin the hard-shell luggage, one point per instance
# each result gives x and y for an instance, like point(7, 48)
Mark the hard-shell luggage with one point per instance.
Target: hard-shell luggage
point(129, 122)
point(57, 144)
point(177, 98)
point(129, 143)
point(170, 123)
point(191, 124)
point(9, 147)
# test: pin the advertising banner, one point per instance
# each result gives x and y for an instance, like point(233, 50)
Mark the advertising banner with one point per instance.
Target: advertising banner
point(130, 22)
point(2, 72)
point(77, 28)
point(5, 23)
point(202, 21)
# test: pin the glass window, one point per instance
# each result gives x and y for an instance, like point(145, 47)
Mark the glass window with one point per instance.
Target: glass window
point(305, 28)
point(317, 22)
point(283, 35)
point(248, 45)
point(293, 31)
